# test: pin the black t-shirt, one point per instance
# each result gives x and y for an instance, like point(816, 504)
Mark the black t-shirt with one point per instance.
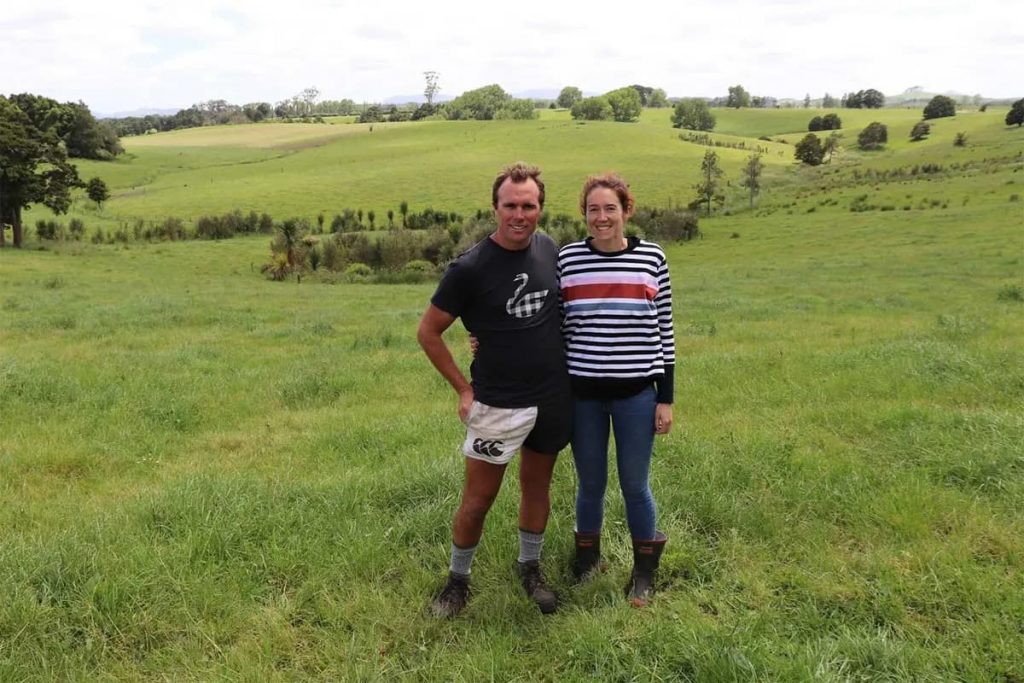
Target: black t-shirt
point(509, 301)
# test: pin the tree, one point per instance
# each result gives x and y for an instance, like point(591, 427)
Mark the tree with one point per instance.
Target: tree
point(693, 113)
point(874, 136)
point(738, 97)
point(939, 107)
point(809, 150)
point(517, 109)
point(658, 99)
point(707, 188)
point(815, 124)
point(73, 124)
point(752, 176)
point(432, 87)
point(831, 145)
point(1016, 113)
point(97, 191)
point(831, 122)
point(625, 103)
point(864, 99)
point(569, 96)
point(480, 104)
point(34, 169)
point(592, 109)
point(920, 131)
point(871, 99)
point(828, 102)
point(645, 92)
point(309, 97)
point(807, 101)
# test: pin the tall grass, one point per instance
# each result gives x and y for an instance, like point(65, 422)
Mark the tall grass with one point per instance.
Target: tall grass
point(206, 475)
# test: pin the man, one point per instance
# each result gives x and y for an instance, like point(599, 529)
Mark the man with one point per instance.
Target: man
point(505, 291)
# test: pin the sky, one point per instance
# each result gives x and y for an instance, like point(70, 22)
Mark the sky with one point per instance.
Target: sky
point(119, 55)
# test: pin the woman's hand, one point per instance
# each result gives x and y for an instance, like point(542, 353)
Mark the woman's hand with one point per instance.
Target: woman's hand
point(474, 344)
point(663, 418)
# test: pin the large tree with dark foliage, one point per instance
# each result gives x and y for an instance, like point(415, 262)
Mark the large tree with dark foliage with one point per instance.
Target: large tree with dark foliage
point(83, 136)
point(1016, 113)
point(809, 150)
point(34, 168)
point(939, 107)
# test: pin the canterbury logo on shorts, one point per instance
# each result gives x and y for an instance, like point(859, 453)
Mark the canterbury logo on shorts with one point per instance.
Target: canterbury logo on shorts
point(495, 434)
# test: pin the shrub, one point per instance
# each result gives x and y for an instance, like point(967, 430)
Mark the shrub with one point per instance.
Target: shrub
point(171, 229)
point(809, 150)
point(920, 131)
point(358, 272)
point(1011, 293)
point(592, 109)
point(77, 228)
point(960, 140)
point(49, 230)
point(278, 268)
point(831, 122)
point(398, 247)
point(874, 136)
point(334, 254)
point(671, 224)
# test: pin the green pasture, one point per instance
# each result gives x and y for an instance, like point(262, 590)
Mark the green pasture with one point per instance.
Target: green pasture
point(206, 475)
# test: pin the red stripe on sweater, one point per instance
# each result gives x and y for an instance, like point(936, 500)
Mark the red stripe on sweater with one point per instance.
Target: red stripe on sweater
point(609, 290)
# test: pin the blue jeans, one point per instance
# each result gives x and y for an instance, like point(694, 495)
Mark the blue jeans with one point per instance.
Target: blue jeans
point(632, 420)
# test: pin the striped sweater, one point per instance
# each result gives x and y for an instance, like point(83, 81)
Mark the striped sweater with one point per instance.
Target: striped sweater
point(617, 318)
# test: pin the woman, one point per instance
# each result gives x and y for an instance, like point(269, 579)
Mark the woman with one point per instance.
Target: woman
point(617, 326)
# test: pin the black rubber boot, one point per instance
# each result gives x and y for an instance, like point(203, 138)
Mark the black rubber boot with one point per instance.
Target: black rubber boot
point(588, 554)
point(646, 556)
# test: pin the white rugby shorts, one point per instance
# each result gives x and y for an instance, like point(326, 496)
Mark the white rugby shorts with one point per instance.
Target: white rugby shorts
point(495, 434)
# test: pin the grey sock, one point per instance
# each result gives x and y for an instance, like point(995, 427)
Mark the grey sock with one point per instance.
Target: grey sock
point(530, 545)
point(462, 559)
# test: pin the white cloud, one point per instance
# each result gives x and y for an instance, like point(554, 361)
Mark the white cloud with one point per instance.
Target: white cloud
point(117, 55)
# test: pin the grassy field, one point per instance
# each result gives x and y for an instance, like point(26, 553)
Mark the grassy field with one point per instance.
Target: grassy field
point(206, 475)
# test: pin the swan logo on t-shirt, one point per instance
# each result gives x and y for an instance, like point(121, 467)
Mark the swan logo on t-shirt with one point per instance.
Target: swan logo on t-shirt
point(525, 305)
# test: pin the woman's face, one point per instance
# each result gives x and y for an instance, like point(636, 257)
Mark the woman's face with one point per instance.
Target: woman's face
point(606, 219)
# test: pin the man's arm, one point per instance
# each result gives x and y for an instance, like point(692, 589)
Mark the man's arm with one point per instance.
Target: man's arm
point(432, 325)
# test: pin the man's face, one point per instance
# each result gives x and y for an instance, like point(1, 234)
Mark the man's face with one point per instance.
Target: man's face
point(517, 213)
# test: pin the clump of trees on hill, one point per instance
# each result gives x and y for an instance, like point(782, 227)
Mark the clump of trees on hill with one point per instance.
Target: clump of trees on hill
point(38, 136)
point(621, 104)
point(826, 122)
point(863, 99)
point(486, 103)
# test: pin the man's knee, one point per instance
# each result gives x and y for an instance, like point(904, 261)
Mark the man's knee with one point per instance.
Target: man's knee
point(474, 507)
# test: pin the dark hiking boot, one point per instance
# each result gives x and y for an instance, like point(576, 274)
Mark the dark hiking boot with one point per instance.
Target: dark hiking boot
point(646, 557)
point(588, 555)
point(536, 586)
point(452, 598)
